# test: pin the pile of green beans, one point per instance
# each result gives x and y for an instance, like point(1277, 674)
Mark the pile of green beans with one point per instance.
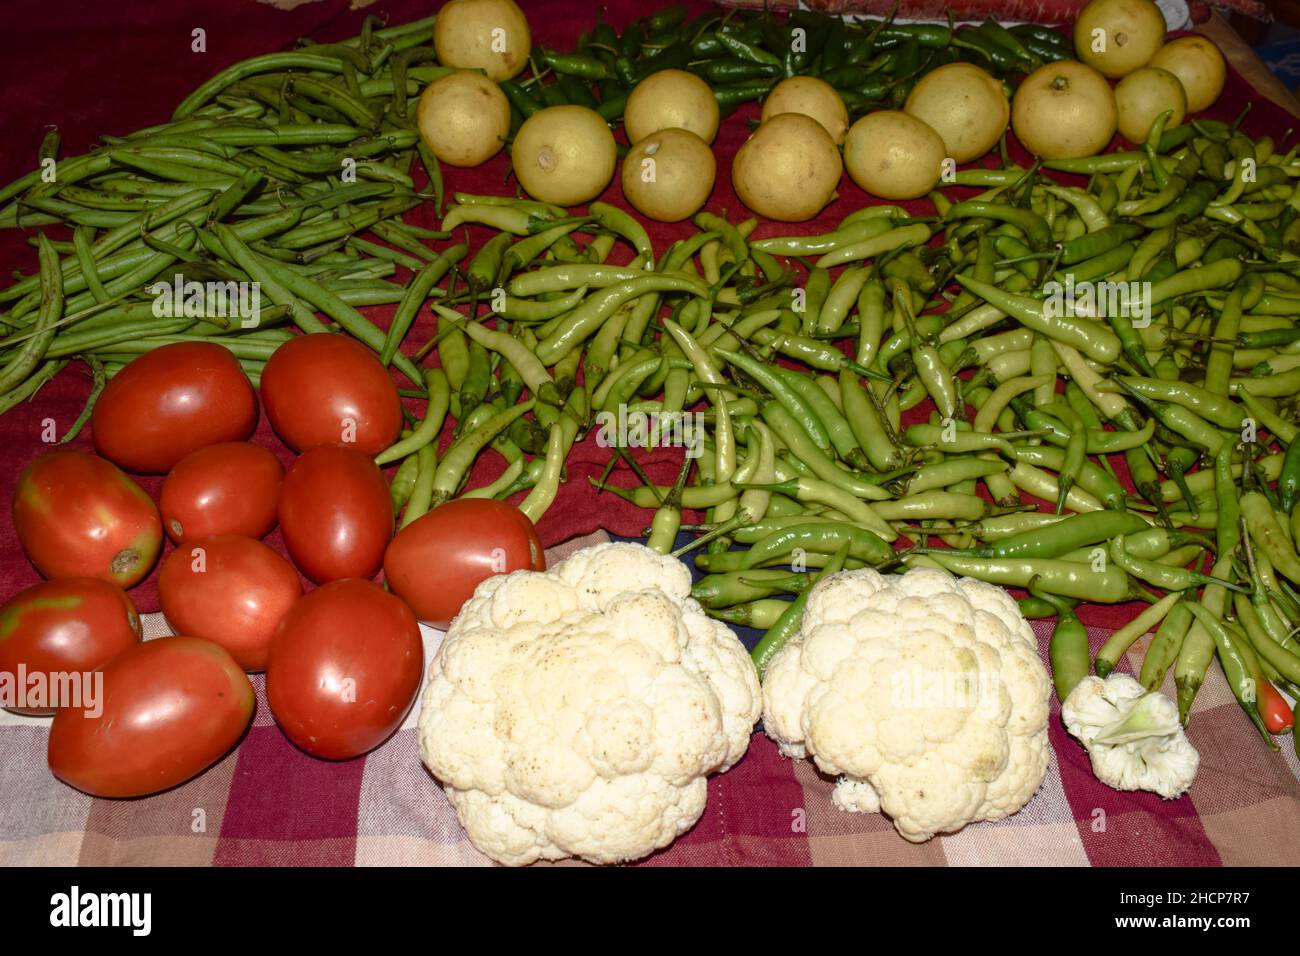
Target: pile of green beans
point(872, 63)
point(273, 171)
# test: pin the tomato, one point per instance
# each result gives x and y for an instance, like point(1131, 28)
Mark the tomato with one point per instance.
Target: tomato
point(435, 563)
point(336, 514)
point(330, 389)
point(171, 401)
point(230, 590)
point(62, 627)
point(344, 669)
point(79, 516)
point(230, 488)
point(169, 709)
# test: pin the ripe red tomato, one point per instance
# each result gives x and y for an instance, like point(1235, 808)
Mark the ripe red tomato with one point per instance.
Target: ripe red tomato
point(230, 590)
point(79, 516)
point(169, 709)
point(336, 514)
point(344, 669)
point(171, 401)
point(435, 563)
point(327, 390)
point(230, 488)
point(63, 627)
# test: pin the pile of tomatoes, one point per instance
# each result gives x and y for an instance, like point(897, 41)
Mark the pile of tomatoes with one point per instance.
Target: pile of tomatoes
point(343, 661)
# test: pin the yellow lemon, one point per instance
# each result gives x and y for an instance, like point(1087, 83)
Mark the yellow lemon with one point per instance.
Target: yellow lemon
point(788, 169)
point(1199, 66)
point(1063, 110)
point(811, 97)
point(487, 35)
point(463, 118)
point(893, 155)
point(671, 99)
point(964, 105)
point(564, 155)
point(1118, 36)
point(1142, 96)
point(669, 174)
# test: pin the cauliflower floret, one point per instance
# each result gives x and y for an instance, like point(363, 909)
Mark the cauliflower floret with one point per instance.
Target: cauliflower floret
point(1133, 737)
point(923, 693)
point(578, 712)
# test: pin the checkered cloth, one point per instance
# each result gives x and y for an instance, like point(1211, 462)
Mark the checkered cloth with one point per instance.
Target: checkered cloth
point(268, 803)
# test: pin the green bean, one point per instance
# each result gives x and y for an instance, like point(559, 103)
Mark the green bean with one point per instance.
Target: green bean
point(421, 497)
point(403, 483)
point(1123, 638)
point(589, 316)
point(1068, 648)
point(546, 487)
point(1063, 578)
point(788, 624)
point(414, 298)
point(1095, 341)
point(1235, 668)
point(1165, 646)
point(460, 456)
point(29, 356)
point(430, 427)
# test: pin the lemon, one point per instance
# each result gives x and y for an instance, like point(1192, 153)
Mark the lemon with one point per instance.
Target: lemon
point(964, 105)
point(669, 174)
point(1142, 96)
point(788, 169)
point(1064, 110)
point(811, 97)
point(564, 155)
point(893, 155)
point(1198, 64)
point(463, 118)
point(487, 35)
point(1118, 36)
point(671, 99)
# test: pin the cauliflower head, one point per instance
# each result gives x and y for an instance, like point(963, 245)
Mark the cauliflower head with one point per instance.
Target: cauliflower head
point(578, 711)
point(923, 692)
point(1133, 736)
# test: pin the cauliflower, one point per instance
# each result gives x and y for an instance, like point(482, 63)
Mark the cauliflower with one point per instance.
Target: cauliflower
point(577, 712)
point(924, 693)
point(1133, 737)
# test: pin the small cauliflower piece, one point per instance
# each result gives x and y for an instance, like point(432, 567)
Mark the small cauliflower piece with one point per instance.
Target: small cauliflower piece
point(923, 693)
point(578, 711)
point(1133, 736)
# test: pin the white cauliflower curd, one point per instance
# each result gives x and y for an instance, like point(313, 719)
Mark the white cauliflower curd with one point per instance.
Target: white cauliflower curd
point(578, 711)
point(1133, 737)
point(923, 692)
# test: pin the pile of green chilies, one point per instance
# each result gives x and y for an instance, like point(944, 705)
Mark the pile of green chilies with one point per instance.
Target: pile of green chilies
point(872, 63)
point(806, 462)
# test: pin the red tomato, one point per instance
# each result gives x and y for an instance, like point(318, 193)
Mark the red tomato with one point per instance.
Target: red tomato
point(171, 401)
point(345, 667)
point(230, 488)
point(327, 390)
point(336, 514)
point(169, 709)
point(435, 563)
point(79, 516)
point(230, 590)
point(62, 627)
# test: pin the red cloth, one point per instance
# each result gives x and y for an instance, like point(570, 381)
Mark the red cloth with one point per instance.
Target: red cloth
point(109, 70)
